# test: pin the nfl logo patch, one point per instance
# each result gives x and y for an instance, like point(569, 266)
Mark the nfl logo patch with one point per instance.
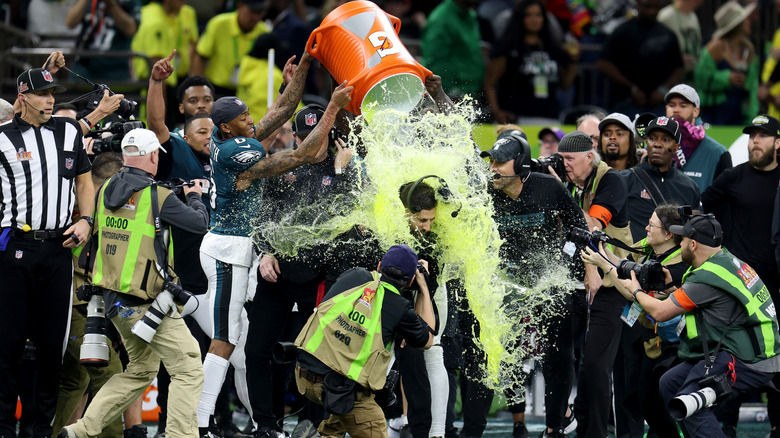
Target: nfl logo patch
point(291, 177)
point(238, 102)
point(311, 119)
point(326, 180)
point(644, 194)
point(662, 121)
point(23, 87)
point(19, 253)
point(47, 76)
point(69, 163)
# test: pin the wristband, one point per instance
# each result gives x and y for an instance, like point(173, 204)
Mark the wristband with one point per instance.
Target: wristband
point(636, 292)
point(282, 87)
point(339, 170)
point(86, 122)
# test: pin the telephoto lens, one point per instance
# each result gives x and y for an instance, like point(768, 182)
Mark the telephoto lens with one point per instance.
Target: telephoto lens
point(146, 328)
point(683, 406)
point(94, 350)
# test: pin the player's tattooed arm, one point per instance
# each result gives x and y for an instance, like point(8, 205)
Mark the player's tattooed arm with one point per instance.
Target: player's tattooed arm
point(282, 110)
point(286, 160)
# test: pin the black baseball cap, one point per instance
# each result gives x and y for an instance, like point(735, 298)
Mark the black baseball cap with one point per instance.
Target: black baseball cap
point(37, 79)
point(765, 122)
point(667, 125)
point(307, 118)
point(507, 146)
point(641, 122)
point(703, 228)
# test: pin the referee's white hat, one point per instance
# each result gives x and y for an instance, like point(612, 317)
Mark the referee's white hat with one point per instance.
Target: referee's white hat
point(140, 142)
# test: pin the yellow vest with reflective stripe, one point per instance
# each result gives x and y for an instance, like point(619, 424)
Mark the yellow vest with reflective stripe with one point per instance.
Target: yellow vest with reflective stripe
point(125, 260)
point(345, 333)
point(751, 342)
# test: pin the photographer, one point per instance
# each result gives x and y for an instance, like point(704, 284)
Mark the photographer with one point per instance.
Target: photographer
point(334, 367)
point(127, 254)
point(730, 322)
point(656, 354)
point(601, 193)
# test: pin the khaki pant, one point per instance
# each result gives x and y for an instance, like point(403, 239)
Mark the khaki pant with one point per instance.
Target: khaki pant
point(179, 352)
point(366, 420)
point(76, 378)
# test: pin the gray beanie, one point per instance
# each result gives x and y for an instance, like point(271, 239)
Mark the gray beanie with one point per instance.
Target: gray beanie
point(575, 141)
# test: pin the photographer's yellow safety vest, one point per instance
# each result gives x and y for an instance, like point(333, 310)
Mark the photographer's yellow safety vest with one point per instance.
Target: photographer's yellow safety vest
point(125, 260)
point(345, 333)
point(752, 342)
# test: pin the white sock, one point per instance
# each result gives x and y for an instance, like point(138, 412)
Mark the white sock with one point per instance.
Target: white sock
point(214, 371)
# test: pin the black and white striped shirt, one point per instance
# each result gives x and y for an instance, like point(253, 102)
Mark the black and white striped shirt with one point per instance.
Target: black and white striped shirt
point(38, 169)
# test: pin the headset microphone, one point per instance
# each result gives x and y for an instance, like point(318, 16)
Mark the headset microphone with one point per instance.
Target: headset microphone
point(497, 176)
point(36, 109)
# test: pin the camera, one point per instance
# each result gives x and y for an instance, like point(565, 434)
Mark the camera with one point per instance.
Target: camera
point(112, 143)
point(685, 212)
point(555, 161)
point(94, 350)
point(284, 352)
point(650, 273)
point(386, 397)
point(714, 389)
point(146, 328)
point(126, 108)
point(176, 185)
point(582, 237)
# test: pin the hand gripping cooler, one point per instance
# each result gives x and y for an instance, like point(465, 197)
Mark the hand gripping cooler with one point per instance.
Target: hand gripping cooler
point(358, 42)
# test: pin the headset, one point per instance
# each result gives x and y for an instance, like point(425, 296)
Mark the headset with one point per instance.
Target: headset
point(24, 101)
point(444, 192)
point(523, 159)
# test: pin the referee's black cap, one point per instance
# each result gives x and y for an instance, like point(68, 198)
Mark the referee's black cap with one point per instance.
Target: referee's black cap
point(307, 118)
point(37, 79)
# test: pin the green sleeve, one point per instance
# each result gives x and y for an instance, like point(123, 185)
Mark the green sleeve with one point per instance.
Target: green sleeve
point(751, 85)
point(710, 81)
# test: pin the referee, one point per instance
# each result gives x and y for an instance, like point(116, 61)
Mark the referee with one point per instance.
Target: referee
point(43, 170)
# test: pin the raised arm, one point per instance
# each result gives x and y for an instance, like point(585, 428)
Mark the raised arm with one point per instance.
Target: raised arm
point(155, 104)
point(284, 107)
point(283, 161)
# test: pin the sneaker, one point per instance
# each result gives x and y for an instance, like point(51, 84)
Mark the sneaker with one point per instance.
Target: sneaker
point(569, 424)
point(394, 426)
point(67, 432)
point(137, 431)
point(267, 432)
point(305, 429)
point(249, 429)
point(209, 432)
point(519, 430)
point(230, 430)
point(405, 432)
point(558, 434)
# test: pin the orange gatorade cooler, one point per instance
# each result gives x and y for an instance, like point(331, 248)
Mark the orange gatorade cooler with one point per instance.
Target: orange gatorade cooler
point(358, 42)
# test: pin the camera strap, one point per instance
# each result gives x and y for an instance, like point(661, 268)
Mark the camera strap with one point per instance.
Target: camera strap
point(160, 248)
point(615, 242)
point(655, 193)
point(704, 347)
